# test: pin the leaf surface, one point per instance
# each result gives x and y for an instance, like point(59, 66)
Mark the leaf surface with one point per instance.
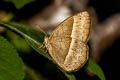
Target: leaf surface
point(96, 69)
point(11, 65)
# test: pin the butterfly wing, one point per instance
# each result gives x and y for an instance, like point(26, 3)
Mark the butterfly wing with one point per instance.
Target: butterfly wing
point(60, 41)
point(62, 44)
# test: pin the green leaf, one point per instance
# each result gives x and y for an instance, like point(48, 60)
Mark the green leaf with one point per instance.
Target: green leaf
point(96, 69)
point(11, 66)
point(20, 3)
point(35, 38)
point(70, 76)
point(18, 42)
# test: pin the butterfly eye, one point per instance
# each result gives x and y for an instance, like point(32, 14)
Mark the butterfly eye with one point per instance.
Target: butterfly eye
point(46, 40)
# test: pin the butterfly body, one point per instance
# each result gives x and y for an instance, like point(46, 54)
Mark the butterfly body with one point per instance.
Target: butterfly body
point(67, 45)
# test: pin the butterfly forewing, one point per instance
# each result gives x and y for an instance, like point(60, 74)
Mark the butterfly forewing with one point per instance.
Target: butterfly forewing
point(60, 41)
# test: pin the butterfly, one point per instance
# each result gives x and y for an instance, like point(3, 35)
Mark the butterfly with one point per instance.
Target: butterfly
point(67, 44)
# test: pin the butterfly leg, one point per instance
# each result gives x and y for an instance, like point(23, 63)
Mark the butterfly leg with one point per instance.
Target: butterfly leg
point(42, 46)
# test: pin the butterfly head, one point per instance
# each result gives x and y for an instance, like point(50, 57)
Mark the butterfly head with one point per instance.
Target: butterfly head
point(46, 40)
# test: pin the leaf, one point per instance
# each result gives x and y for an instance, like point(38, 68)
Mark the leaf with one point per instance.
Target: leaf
point(19, 3)
point(35, 38)
point(96, 69)
point(11, 66)
point(70, 76)
point(19, 42)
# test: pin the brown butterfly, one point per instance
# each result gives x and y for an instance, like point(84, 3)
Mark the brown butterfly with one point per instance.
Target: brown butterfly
point(67, 44)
